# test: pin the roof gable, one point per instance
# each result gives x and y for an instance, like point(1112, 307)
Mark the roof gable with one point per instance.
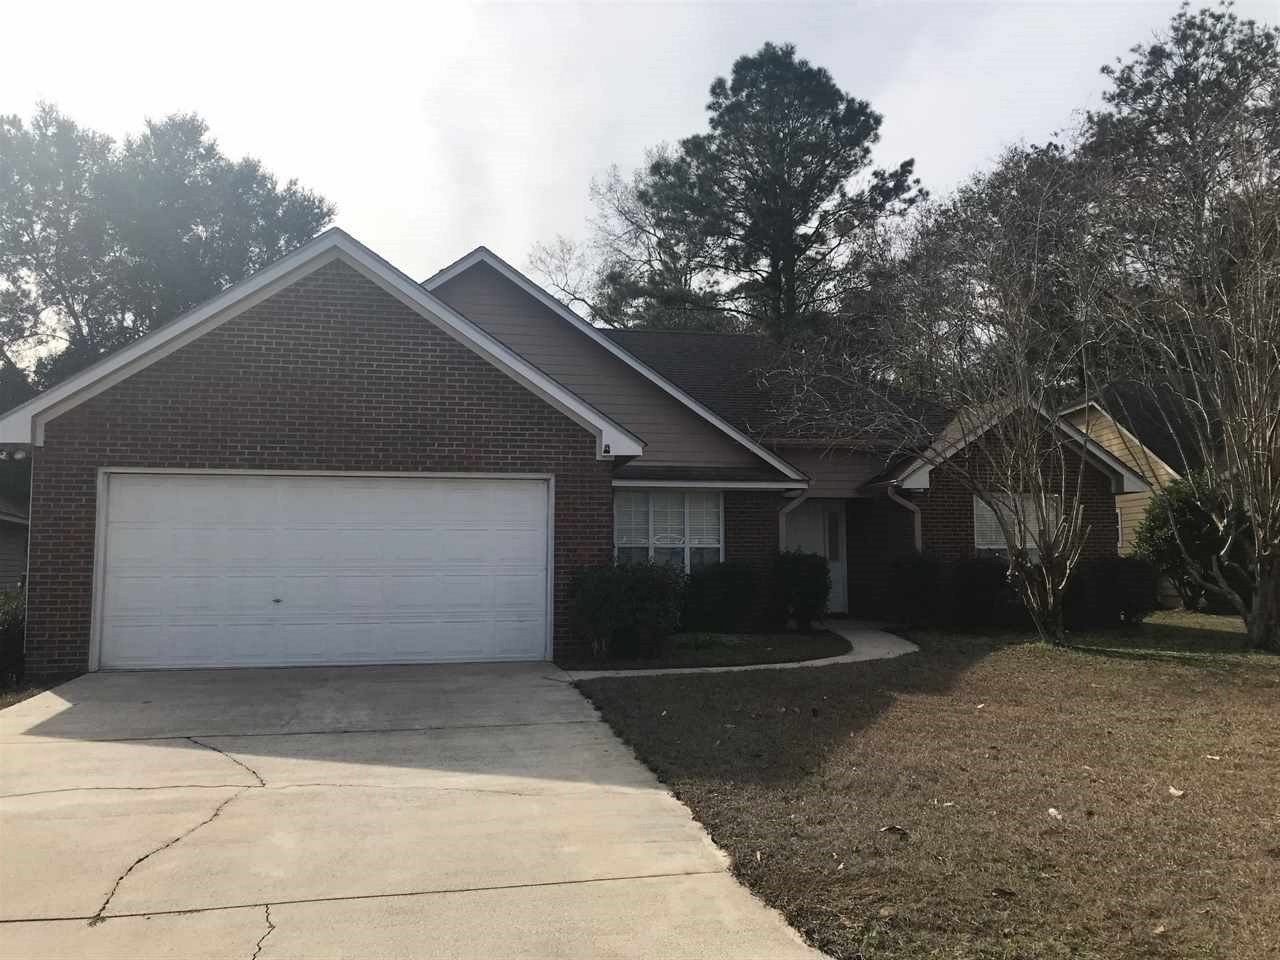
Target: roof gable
point(913, 472)
point(1152, 418)
point(481, 256)
point(25, 424)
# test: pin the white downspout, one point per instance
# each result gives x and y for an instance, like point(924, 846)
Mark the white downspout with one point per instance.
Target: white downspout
point(782, 518)
point(892, 493)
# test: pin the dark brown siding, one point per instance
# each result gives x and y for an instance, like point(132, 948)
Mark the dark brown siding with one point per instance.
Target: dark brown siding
point(673, 434)
point(329, 374)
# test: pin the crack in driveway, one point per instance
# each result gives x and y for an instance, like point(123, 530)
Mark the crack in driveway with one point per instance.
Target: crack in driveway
point(245, 734)
point(293, 786)
point(271, 927)
point(345, 898)
point(239, 763)
point(163, 786)
point(99, 917)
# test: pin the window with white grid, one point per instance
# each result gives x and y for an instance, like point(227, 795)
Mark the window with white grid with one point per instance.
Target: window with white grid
point(681, 528)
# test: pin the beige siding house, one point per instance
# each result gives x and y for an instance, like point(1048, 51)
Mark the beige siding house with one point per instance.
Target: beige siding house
point(1125, 447)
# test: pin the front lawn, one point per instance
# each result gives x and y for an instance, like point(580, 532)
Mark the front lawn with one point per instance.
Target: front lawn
point(726, 650)
point(990, 799)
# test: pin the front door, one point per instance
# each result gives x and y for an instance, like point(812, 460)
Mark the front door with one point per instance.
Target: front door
point(818, 526)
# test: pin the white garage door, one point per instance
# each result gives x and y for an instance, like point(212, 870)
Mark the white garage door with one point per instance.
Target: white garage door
point(256, 570)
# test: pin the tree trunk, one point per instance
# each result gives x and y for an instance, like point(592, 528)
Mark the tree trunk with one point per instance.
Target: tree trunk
point(1263, 621)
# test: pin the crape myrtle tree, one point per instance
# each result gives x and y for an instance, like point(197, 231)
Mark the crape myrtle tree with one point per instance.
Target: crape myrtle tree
point(102, 241)
point(761, 224)
point(1191, 133)
point(985, 316)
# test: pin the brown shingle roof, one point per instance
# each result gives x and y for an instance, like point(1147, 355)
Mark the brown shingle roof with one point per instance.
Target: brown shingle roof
point(719, 370)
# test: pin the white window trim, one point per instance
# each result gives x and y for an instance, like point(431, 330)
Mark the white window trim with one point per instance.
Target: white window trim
point(649, 515)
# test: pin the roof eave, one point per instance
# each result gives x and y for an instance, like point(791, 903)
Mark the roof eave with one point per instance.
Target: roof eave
point(25, 424)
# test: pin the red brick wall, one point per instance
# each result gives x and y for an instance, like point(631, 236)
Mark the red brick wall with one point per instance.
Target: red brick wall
point(946, 513)
point(751, 526)
point(329, 374)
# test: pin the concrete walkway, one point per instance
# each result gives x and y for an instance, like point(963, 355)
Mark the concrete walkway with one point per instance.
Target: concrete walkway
point(866, 642)
point(445, 811)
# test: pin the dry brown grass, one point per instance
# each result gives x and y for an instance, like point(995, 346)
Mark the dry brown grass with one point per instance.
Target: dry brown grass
point(966, 747)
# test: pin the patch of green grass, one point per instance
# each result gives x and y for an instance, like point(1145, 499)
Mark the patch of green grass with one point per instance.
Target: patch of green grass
point(727, 650)
point(900, 809)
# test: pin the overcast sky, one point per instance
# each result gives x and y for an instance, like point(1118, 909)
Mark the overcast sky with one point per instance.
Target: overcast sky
point(437, 127)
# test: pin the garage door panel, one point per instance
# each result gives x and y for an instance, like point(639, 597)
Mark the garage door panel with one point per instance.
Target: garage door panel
point(257, 570)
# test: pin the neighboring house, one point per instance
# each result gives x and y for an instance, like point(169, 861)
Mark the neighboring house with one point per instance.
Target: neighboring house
point(13, 542)
point(1126, 422)
point(332, 463)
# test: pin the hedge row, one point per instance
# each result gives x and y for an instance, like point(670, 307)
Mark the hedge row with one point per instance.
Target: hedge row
point(13, 624)
point(629, 610)
point(1104, 592)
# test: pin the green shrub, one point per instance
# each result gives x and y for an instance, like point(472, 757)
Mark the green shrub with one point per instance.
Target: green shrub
point(13, 627)
point(719, 598)
point(975, 594)
point(1110, 592)
point(919, 591)
point(1176, 505)
point(982, 596)
point(801, 587)
point(627, 610)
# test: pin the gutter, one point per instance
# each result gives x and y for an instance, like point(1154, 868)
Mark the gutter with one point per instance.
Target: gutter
point(782, 518)
point(891, 491)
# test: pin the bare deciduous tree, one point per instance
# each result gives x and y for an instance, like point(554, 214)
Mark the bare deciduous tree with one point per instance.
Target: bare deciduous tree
point(639, 267)
point(1208, 356)
point(1192, 134)
point(987, 318)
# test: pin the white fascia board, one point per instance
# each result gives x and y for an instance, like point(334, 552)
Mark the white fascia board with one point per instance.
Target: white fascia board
point(1147, 452)
point(1124, 479)
point(25, 424)
point(485, 255)
point(717, 484)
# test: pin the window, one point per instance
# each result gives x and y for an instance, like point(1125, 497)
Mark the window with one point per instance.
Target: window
point(988, 538)
point(684, 529)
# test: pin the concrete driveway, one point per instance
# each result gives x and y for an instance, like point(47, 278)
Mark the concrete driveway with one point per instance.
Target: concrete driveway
point(444, 811)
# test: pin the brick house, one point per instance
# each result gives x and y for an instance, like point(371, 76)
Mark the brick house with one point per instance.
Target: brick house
point(332, 463)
